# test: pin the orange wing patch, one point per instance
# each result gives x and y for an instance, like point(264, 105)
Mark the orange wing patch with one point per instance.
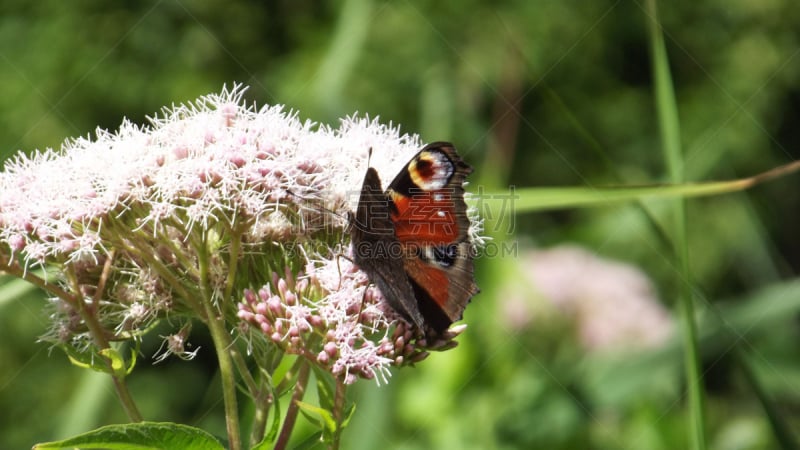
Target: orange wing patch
point(434, 280)
point(426, 218)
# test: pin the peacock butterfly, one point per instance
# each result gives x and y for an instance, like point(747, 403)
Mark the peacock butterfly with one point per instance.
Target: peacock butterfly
point(412, 241)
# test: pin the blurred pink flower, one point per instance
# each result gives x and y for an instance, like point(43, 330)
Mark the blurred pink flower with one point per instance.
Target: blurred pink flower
point(612, 304)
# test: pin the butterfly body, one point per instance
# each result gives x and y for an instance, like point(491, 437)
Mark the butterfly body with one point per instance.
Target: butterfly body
point(412, 239)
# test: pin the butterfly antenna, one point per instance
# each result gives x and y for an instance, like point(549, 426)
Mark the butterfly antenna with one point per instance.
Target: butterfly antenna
point(339, 267)
point(363, 300)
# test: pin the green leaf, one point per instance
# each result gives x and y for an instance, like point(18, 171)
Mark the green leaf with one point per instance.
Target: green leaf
point(85, 360)
point(348, 414)
point(326, 388)
point(325, 416)
point(284, 369)
point(117, 362)
point(310, 442)
point(266, 443)
point(89, 360)
point(142, 435)
point(134, 352)
point(780, 426)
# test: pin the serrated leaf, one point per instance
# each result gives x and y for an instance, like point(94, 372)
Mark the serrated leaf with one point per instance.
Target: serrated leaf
point(142, 435)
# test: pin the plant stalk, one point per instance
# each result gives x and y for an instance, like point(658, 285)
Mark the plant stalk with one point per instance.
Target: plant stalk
point(294, 408)
point(215, 320)
point(338, 412)
point(89, 317)
point(669, 125)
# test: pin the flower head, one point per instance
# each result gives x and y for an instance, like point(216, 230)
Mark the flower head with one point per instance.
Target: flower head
point(210, 200)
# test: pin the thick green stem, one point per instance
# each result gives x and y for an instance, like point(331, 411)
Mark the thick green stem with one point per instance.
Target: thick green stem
point(261, 396)
point(215, 319)
point(222, 344)
point(125, 398)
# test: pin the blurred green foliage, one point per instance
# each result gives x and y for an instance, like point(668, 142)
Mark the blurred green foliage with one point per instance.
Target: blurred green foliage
point(533, 93)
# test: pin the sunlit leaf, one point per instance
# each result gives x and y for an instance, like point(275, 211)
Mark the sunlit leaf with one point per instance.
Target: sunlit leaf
point(143, 435)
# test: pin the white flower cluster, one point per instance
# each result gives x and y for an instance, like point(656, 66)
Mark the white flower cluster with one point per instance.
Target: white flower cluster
point(207, 201)
point(199, 164)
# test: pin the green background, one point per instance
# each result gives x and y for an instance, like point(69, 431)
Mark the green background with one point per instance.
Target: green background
point(533, 93)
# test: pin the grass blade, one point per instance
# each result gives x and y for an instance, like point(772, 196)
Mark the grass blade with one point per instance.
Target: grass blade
point(667, 112)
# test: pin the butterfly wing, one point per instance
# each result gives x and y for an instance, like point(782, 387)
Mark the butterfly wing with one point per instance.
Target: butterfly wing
point(430, 222)
point(377, 251)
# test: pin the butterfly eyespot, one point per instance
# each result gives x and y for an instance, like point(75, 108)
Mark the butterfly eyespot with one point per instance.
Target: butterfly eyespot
point(443, 255)
point(431, 171)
